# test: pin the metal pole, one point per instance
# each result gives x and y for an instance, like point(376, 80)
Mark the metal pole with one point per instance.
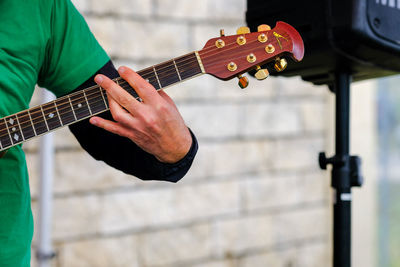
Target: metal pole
point(45, 252)
point(341, 180)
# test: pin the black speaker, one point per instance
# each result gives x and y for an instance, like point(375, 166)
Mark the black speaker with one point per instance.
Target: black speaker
point(361, 37)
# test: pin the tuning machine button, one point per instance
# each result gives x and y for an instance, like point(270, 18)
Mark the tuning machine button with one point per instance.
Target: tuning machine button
point(222, 32)
point(243, 30)
point(263, 28)
point(243, 81)
point(280, 64)
point(261, 74)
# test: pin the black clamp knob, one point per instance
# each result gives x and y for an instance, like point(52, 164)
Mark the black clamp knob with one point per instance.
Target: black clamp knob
point(357, 178)
point(335, 161)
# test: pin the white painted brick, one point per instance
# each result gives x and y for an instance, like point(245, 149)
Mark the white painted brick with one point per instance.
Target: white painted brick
point(243, 234)
point(199, 88)
point(182, 9)
point(171, 246)
point(129, 39)
point(210, 120)
point(276, 258)
point(230, 158)
point(227, 10)
point(81, 5)
point(314, 115)
point(106, 33)
point(122, 7)
point(76, 216)
point(285, 190)
point(125, 210)
point(307, 255)
point(105, 252)
point(77, 172)
point(295, 86)
point(92, 175)
point(271, 119)
point(218, 263)
point(297, 153)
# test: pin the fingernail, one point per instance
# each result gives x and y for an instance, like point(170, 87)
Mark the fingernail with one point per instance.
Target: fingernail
point(121, 70)
point(98, 79)
point(93, 121)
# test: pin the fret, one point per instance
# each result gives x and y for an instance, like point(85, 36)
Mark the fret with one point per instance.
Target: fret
point(13, 129)
point(80, 106)
point(72, 108)
point(5, 138)
point(149, 76)
point(65, 112)
point(104, 97)
point(19, 126)
point(50, 113)
point(38, 121)
point(26, 125)
point(30, 118)
point(58, 113)
point(167, 74)
point(188, 66)
point(44, 117)
point(177, 71)
point(84, 94)
point(158, 80)
point(95, 100)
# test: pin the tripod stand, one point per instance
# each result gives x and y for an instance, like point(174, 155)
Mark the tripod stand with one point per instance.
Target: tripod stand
point(346, 173)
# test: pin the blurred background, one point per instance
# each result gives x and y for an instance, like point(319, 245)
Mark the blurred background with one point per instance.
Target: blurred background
point(255, 195)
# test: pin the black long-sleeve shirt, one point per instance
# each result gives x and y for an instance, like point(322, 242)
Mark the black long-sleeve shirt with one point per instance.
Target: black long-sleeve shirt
point(120, 152)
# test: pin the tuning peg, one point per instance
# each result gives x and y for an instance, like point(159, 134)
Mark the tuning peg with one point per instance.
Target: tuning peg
point(243, 81)
point(243, 30)
point(222, 32)
point(261, 74)
point(263, 28)
point(280, 64)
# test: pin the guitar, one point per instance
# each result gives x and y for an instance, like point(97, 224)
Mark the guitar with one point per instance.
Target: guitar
point(224, 57)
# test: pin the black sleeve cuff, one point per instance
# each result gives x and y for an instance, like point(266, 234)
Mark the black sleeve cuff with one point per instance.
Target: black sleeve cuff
point(175, 171)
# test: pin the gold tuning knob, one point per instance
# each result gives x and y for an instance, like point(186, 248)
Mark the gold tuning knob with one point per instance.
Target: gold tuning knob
point(261, 74)
point(243, 30)
point(280, 64)
point(263, 28)
point(243, 81)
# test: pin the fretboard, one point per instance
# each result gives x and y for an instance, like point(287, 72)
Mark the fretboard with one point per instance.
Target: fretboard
point(66, 110)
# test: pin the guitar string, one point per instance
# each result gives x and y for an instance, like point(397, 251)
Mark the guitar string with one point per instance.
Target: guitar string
point(169, 68)
point(51, 106)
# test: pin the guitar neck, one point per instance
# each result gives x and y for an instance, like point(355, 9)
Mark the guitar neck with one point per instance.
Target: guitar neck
point(30, 123)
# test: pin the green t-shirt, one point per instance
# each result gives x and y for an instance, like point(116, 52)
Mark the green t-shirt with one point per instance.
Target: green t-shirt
point(45, 42)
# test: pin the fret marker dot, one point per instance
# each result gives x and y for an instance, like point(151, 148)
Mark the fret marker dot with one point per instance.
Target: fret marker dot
point(79, 105)
point(11, 121)
point(51, 115)
point(16, 137)
point(13, 129)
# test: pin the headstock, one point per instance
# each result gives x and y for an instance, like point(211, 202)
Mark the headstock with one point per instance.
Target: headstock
point(226, 57)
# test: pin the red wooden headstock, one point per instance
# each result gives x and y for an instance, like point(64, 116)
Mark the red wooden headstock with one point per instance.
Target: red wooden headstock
point(226, 57)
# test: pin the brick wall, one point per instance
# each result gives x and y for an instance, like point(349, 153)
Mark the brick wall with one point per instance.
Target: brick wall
point(254, 196)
